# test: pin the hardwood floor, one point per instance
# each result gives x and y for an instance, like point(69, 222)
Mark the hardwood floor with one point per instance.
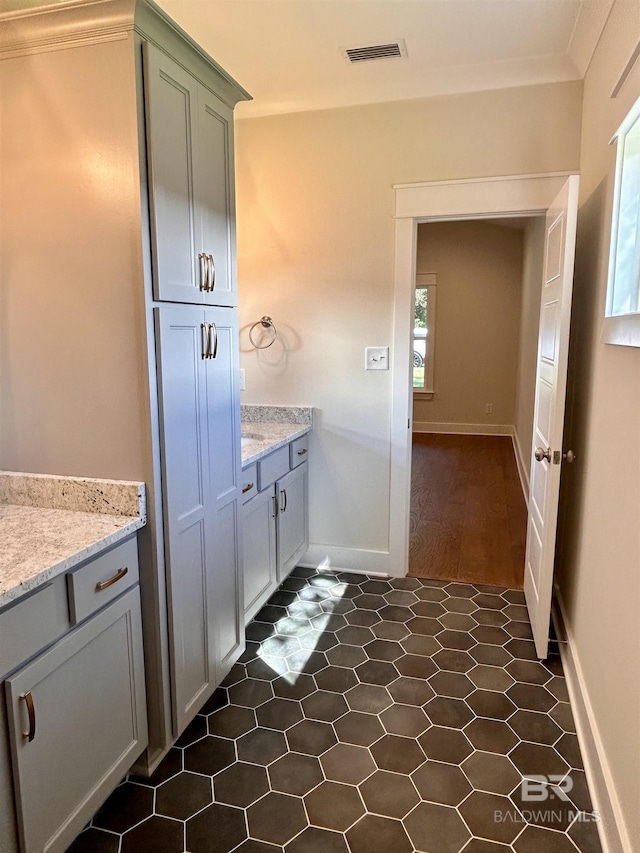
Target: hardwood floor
point(468, 514)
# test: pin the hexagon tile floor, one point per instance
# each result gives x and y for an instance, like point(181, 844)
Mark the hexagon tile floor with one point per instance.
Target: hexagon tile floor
point(369, 716)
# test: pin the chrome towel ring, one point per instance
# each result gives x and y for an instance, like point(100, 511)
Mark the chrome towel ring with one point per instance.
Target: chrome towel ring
point(266, 323)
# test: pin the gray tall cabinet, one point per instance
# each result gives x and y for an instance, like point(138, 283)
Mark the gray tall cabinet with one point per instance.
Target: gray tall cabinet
point(180, 318)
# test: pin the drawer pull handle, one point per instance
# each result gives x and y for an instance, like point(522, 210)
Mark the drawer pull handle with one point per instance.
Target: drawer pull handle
point(31, 711)
point(118, 576)
point(283, 501)
point(275, 506)
point(302, 452)
point(247, 488)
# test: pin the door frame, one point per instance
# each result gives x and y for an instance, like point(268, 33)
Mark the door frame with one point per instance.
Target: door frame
point(438, 201)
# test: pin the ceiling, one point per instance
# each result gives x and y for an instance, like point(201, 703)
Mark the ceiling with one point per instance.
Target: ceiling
point(286, 53)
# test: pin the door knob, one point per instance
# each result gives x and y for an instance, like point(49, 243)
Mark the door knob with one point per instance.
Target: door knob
point(569, 456)
point(541, 454)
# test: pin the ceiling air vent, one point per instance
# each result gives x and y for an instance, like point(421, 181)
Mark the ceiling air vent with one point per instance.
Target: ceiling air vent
point(365, 53)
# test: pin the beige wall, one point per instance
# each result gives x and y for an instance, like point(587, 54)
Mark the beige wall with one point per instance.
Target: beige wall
point(600, 548)
point(67, 158)
point(315, 246)
point(532, 270)
point(479, 274)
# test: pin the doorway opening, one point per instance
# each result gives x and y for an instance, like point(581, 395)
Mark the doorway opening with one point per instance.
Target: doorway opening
point(473, 397)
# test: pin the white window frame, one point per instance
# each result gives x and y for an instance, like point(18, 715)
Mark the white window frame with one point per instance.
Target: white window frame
point(428, 280)
point(620, 329)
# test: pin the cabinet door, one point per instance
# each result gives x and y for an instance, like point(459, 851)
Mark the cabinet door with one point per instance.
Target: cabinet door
point(293, 519)
point(90, 724)
point(224, 560)
point(259, 551)
point(171, 112)
point(215, 196)
point(185, 485)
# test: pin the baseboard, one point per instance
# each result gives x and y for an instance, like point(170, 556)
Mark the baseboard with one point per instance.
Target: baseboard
point(611, 827)
point(522, 468)
point(342, 559)
point(463, 429)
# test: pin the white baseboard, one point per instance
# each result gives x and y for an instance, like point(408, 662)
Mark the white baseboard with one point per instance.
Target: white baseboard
point(342, 559)
point(611, 827)
point(463, 429)
point(522, 468)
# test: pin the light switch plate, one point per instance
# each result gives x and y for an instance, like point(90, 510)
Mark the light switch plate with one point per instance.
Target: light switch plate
point(376, 358)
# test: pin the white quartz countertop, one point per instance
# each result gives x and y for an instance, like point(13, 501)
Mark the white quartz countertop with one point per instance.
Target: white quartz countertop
point(262, 438)
point(37, 542)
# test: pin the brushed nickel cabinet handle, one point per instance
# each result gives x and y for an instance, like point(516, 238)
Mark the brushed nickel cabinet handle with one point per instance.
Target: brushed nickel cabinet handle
point(275, 506)
point(213, 272)
point(204, 272)
point(247, 488)
point(117, 577)
point(283, 502)
point(206, 339)
point(213, 352)
point(27, 698)
point(302, 452)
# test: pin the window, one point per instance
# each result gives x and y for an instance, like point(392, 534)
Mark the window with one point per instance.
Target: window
point(622, 313)
point(424, 330)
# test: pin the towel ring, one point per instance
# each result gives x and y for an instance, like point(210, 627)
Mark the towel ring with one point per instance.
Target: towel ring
point(266, 323)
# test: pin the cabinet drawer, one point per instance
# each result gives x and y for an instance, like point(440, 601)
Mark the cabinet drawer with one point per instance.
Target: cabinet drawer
point(249, 482)
point(272, 467)
point(32, 624)
point(299, 450)
point(97, 582)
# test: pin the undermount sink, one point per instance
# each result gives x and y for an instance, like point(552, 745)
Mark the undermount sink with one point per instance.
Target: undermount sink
point(246, 437)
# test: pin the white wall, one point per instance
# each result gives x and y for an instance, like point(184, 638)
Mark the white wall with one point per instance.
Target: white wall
point(600, 546)
point(315, 251)
point(532, 271)
point(479, 274)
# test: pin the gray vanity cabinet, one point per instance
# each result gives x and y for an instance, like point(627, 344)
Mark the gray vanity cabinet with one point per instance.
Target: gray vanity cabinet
point(200, 436)
point(259, 542)
point(293, 519)
point(86, 727)
point(191, 185)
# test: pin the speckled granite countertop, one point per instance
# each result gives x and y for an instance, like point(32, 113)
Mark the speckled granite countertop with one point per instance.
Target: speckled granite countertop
point(266, 428)
point(50, 524)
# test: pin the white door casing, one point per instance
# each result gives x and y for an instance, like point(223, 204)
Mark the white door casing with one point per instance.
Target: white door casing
point(527, 195)
point(548, 425)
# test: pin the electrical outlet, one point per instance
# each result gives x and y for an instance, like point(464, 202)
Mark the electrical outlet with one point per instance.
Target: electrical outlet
point(376, 358)
point(242, 381)
point(488, 408)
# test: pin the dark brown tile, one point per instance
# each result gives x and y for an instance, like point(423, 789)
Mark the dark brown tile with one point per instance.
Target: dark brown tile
point(416, 666)
point(490, 617)
point(444, 711)
point(531, 697)
point(521, 630)
point(276, 818)
point(448, 745)
point(334, 806)
point(535, 727)
point(250, 845)
point(456, 685)
point(452, 660)
point(307, 661)
point(347, 763)
point(427, 593)
point(480, 845)
point(261, 746)
point(490, 602)
point(461, 590)
point(315, 840)
point(558, 688)
point(522, 649)
point(373, 834)
point(358, 728)
point(168, 767)
point(491, 635)
point(528, 672)
point(385, 650)
point(365, 601)
point(532, 759)
point(404, 598)
point(458, 621)
point(311, 737)
point(127, 806)
point(537, 840)
point(196, 729)
point(325, 706)
point(585, 836)
point(491, 735)
point(424, 626)
point(441, 783)
point(218, 829)
point(279, 714)
point(459, 605)
point(390, 630)
point(183, 796)
point(435, 827)
point(376, 587)
point(492, 773)
point(337, 679)
point(241, 784)
point(336, 605)
point(569, 749)
point(406, 720)
point(267, 668)
point(491, 816)
point(306, 609)
point(250, 693)
point(491, 655)
point(232, 721)
point(410, 691)
point(488, 703)
point(209, 755)
point(461, 640)
point(295, 774)
point(344, 655)
point(398, 754)
point(290, 687)
point(95, 841)
point(317, 640)
point(364, 618)
point(154, 835)
point(354, 635)
point(389, 794)
point(376, 672)
point(237, 673)
point(490, 677)
point(420, 644)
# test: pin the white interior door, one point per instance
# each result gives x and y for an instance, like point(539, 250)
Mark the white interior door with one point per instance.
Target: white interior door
point(551, 383)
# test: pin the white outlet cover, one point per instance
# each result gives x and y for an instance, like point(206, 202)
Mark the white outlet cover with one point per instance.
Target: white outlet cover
point(376, 358)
